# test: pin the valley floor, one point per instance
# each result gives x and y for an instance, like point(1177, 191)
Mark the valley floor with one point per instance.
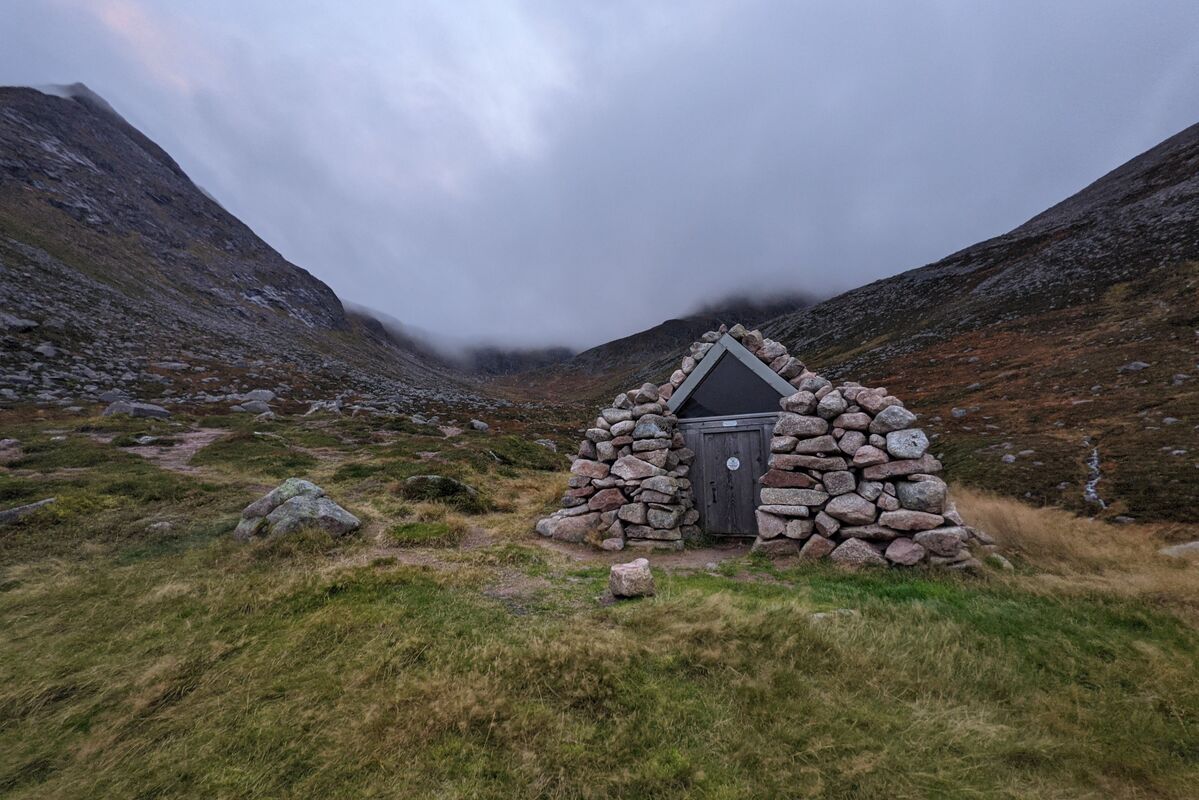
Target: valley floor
point(446, 651)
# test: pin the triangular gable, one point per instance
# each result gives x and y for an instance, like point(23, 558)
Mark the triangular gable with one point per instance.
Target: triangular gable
point(727, 347)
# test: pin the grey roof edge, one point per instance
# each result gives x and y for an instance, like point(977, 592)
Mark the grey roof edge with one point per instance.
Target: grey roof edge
point(727, 344)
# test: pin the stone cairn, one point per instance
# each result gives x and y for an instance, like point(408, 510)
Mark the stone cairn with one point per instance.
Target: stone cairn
point(850, 476)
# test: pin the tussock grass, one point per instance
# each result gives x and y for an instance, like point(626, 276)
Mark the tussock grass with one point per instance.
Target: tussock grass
point(449, 492)
point(1078, 554)
point(218, 674)
point(178, 663)
point(257, 454)
point(426, 534)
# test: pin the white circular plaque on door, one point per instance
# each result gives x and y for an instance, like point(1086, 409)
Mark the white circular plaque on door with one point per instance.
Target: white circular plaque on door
point(733, 463)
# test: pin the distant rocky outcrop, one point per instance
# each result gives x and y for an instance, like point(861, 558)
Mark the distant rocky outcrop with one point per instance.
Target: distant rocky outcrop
point(132, 409)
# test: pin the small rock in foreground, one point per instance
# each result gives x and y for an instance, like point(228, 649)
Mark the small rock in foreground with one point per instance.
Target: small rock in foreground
point(632, 579)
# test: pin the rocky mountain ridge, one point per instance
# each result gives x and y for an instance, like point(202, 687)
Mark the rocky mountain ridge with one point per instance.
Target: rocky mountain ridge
point(1140, 217)
point(1060, 360)
point(114, 264)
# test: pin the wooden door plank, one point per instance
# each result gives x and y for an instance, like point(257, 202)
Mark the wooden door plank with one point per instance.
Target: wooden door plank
point(741, 485)
point(731, 496)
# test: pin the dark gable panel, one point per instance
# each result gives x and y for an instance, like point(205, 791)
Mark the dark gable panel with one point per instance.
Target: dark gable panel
point(730, 388)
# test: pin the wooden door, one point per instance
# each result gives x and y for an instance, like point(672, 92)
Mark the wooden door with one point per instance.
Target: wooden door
point(733, 459)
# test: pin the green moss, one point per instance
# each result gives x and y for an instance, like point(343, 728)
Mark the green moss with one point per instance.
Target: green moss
point(15, 491)
point(46, 454)
point(259, 454)
point(523, 454)
point(405, 425)
point(358, 471)
point(450, 492)
point(425, 534)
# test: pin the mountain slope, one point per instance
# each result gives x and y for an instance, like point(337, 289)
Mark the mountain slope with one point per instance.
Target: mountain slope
point(1023, 353)
point(1034, 337)
point(1141, 217)
point(124, 262)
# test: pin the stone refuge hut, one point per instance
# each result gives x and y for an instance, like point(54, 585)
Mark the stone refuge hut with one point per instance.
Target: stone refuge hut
point(744, 440)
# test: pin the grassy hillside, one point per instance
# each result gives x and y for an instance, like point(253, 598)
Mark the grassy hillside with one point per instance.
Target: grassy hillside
point(445, 651)
point(1048, 388)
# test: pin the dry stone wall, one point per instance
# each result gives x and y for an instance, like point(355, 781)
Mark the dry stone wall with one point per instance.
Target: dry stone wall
point(629, 485)
point(850, 476)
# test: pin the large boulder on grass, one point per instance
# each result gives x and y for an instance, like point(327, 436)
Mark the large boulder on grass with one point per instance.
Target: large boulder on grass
point(303, 512)
point(294, 505)
point(292, 487)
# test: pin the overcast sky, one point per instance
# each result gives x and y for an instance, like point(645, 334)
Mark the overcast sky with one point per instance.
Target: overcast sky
point(568, 172)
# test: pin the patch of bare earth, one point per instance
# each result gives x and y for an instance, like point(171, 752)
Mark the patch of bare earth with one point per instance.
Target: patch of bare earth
point(176, 457)
point(689, 559)
point(516, 590)
point(474, 539)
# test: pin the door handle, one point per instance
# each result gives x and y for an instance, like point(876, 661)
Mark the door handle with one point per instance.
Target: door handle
point(713, 485)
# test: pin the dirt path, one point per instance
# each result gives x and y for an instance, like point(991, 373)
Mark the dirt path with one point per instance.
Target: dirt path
point(478, 538)
point(176, 457)
point(695, 559)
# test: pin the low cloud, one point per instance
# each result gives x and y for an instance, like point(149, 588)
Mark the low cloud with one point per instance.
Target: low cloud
point(536, 173)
